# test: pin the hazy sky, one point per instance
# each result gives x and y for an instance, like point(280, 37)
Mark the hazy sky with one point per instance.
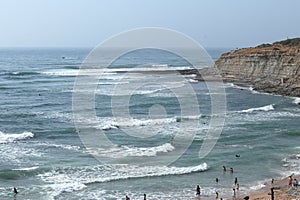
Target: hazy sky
point(213, 23)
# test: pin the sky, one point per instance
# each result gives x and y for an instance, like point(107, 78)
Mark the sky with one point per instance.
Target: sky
point(86, 23)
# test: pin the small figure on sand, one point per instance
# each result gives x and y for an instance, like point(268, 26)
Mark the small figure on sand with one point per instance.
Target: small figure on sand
point(290, 180)
point(233, 192)
point(198, 190)
point(295, 182)
point(231, 170)
point(224, 169)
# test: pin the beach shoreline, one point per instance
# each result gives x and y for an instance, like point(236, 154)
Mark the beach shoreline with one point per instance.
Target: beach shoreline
point(282, 191)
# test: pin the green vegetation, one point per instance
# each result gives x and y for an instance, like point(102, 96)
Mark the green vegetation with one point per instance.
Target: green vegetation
point(289, 42)
point(264, 45)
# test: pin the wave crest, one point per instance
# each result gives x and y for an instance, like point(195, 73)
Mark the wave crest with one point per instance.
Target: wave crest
point(125, 151)
point(10, 138)
point(296, 101)
point(263, 108)
point(107, 173)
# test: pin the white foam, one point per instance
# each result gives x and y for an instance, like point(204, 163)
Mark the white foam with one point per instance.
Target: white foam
point(193, 80)
point(9, 138)
point(26, 168)
point(70, 187)
point(105, 74)
point(125, 151)
point(296, 100)
point(61, 146)
point(107, 123)
point(257, 187)
point(263, 108)
point(61, 72)
point(106, 173)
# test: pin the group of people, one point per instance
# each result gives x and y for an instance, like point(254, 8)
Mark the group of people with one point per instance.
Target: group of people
point(224, 169)
point(293, 182)
point(235, 188)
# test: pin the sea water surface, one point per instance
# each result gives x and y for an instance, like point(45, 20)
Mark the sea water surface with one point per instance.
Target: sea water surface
point(41, 153)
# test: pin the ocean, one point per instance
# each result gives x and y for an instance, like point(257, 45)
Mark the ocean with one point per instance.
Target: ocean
point(43, 156)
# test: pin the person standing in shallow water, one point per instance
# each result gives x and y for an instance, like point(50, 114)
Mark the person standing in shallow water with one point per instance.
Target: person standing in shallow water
point(235, 181)
point(15, 191)
point(145, 197)
point(198, 190)
point(224, 169)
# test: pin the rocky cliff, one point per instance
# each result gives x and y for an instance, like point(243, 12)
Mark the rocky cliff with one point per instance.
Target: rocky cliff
point(273, 68)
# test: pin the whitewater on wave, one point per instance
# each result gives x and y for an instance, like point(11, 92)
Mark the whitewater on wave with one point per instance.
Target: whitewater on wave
point(263, 108)
point(125, 151)
point(12, 137)
point(107, 123)
point(69, 179)
point(296, 100)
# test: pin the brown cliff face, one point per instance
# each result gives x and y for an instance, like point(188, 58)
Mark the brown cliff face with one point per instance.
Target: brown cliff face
point(270, 68)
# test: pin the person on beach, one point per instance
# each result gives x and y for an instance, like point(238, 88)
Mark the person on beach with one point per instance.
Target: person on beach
point(295, 182)
point(290, 180)
point(198, 190)
point(231, 170)
point(224, 169)
point(233, 192)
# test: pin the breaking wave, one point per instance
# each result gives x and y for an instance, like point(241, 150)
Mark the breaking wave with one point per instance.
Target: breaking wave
point(125, 151)
point(10, 138)
point(263, 108)
point(296, 101)
point(107, 173)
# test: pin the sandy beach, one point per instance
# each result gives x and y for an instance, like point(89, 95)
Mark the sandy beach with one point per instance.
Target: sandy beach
point(281, 191)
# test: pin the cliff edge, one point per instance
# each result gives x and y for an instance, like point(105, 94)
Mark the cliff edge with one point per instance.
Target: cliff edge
point(273, 68)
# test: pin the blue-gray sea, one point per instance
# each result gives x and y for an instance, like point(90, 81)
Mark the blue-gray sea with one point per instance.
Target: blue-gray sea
point(41, 153)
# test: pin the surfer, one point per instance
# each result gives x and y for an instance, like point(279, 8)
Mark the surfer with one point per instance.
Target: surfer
point(198, 190)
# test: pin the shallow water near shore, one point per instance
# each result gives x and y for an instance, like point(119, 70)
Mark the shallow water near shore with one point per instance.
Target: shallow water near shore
point(42, 155)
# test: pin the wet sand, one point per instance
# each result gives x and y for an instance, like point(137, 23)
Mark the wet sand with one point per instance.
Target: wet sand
point(281, 192)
